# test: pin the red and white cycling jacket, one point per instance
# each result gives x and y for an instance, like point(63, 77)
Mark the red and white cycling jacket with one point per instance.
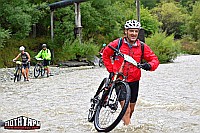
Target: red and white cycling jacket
point(129, 70)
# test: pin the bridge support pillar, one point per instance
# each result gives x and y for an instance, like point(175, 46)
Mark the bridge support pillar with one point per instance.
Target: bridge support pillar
point(78, 27)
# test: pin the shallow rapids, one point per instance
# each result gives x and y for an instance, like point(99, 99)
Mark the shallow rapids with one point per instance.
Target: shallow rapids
point(168, 102)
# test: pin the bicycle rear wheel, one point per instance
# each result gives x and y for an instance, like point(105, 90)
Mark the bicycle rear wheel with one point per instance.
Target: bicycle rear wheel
point(95, 99)
point(101, 62)
point(36, 70)
point(42, 71)
point(109, 112)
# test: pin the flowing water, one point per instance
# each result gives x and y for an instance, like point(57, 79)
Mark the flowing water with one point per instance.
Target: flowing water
point(168, 102)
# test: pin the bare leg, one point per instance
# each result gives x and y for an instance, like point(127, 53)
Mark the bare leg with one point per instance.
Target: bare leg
point(132, 107)
point(126, 117)
point(48, 70)
point(23, 72)
point(27, 73)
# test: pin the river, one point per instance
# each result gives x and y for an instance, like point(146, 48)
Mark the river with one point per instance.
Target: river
point(168, 102)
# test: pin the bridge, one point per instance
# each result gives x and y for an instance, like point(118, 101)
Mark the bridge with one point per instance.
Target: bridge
point(64, 3)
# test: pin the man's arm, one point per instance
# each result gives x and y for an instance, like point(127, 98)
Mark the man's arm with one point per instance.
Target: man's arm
point(107, 54)
point(17, 57)
point(150, 57)
point(39, 54)
point(29, 57)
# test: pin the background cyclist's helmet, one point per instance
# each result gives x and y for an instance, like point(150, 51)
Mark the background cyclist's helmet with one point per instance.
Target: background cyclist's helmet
point(22, 48)
point(44, 45)
point(132, 24)
point(104, 45)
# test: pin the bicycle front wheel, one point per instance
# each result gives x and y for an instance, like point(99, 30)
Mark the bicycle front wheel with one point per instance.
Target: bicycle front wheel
point(36, 70)
point(95, 100)
point(19, 75)
point(16, 74)
point(109, 112)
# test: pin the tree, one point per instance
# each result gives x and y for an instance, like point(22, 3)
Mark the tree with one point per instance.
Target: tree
point(172, 17)
point(149, 22)
point(18, 17)
point(194, 26)
point(149, 3)
point(4, 34)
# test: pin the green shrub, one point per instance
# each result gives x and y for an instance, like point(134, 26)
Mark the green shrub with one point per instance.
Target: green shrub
point(189, 46)
point(165, 47)
point(76, 51)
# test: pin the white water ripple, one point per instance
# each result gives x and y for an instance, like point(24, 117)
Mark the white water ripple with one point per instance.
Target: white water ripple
point(168, 101)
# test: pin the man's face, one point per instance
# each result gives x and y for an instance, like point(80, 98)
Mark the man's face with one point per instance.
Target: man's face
point(44, 48)
point(132, 35)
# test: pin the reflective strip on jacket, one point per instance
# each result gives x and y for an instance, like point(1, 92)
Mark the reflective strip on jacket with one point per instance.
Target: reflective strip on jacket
point(131, 72)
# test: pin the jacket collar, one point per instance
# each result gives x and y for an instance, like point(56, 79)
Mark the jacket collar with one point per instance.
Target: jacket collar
point(134, 45)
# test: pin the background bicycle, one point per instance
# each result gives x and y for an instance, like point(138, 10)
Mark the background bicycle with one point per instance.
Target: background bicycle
point(39, 68)
point(101, 61)
point(18, 71)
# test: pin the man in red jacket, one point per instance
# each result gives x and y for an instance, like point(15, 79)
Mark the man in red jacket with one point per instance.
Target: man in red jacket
point(131, 46)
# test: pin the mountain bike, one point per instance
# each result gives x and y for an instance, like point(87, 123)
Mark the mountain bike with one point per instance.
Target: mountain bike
point(18, 71)
point(106, 108)
point(39, 68)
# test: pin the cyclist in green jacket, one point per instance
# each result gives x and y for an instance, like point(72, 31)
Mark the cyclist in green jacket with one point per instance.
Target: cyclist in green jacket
point(45, 54)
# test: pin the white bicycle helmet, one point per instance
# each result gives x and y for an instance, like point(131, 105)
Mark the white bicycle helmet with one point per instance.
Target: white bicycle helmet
point(21, 48)
point(132, 24)
point(104, 45)
point(44, 45)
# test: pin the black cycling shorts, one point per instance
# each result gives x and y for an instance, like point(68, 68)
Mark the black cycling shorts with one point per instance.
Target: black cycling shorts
point(46, 62)
point(134, 87)
point(26, 65)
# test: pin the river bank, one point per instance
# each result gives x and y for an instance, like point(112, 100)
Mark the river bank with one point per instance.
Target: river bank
point(7, 74)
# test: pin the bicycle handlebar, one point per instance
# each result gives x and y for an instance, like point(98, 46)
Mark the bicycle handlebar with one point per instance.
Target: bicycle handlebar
point(126, 57)
point(119, 53)
point(20, 62)
point(39, 59)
